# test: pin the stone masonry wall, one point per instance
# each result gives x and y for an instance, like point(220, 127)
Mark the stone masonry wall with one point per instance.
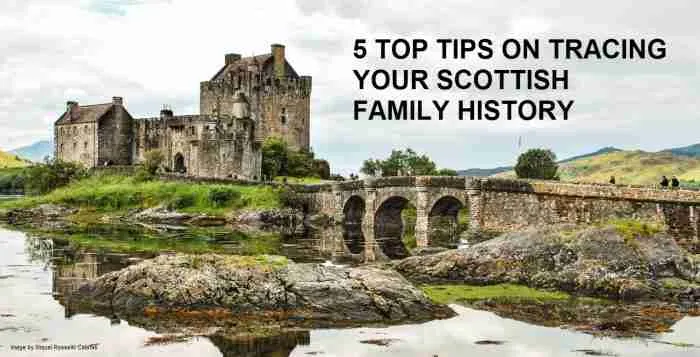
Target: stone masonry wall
point(76, 143)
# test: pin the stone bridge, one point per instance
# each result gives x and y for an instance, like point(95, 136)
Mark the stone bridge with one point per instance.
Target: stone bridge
point(371, 224)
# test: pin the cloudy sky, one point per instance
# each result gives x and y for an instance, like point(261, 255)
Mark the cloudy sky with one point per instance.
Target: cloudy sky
point(156, 52)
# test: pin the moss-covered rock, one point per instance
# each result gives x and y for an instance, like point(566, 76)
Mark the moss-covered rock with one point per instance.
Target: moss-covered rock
point(621, 261)
point(265, 287)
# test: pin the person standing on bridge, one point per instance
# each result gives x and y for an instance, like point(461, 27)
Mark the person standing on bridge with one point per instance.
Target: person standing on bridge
point(675, 184)
point(664, 182)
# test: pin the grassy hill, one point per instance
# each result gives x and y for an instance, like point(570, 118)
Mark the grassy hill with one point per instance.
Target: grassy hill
point(630, 167)
point(11, 161)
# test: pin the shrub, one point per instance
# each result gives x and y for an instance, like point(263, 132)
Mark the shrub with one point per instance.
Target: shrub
point(182, 201)
point(537, 164)
point(43, 178)
point(221, 196)
point(152, 161)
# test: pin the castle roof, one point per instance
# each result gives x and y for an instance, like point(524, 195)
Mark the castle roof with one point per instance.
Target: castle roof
point(88, 114)
point(242, 64)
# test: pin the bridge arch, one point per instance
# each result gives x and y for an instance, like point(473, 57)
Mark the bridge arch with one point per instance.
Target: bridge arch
point(353, 211)
point(389, 227)
point(443, 221)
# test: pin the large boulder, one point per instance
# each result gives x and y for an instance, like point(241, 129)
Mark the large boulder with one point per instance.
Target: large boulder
point(599, 261)
point(265, 286)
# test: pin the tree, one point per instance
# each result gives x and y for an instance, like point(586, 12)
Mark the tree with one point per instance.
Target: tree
point(274, 157)
point(402, 163)
point(322, 169)
point(152, 160)
point(537, 164)
point(446, 172)
point(371, 167)
point(43, 178)
point(280, 160)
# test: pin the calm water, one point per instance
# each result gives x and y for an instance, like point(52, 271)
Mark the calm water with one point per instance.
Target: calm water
point(36, 275)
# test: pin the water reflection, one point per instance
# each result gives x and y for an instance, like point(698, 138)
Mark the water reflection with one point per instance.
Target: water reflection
point(37, 278)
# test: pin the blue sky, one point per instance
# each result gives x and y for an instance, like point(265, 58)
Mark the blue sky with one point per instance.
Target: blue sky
point(156, 52)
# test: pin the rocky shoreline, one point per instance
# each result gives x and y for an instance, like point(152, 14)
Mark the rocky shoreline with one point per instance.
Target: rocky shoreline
point(599, 261)
point(594, 261)
point(263, 287)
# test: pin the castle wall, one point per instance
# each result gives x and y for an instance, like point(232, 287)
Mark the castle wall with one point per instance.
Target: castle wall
point(281, 106)
point(115, 137)
point(76, 143)
point(210, 146)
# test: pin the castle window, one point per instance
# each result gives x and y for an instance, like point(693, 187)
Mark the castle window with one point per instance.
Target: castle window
point(283, 116)
point(61, 148)
point(85, 145)
point(86, 129)
point(75, 146)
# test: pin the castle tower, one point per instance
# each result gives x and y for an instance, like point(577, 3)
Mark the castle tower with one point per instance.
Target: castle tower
point(277, 97)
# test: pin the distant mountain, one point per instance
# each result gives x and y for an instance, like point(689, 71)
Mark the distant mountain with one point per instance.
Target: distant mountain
point(690, 150)
point(502, 169)
point(484, 172)
point(604, 150)
point(8, 160)
point(36, 151)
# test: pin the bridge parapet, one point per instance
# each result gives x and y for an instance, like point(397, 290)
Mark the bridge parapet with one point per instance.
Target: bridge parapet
point(645, 194)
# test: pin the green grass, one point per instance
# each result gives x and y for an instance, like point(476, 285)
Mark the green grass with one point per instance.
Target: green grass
point(116, 192)
point(630, 229)
point(446, 294)
point(8, 160)
point(299, 180)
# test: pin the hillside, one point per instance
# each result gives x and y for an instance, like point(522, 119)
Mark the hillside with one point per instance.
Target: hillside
point(8, 160)
point(690, 150)
point(36, 151)
point(477, 172)
point(630, 167)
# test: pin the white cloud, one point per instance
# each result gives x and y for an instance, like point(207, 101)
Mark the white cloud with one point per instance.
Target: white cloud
point(157, 52)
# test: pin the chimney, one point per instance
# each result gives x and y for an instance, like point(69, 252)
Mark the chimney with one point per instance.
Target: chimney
point(278, 60)
point(117, 101)
point(72, 109)
point(166, 112)
point(231, 58)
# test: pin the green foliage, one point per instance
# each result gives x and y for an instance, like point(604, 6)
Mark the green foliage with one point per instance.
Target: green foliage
point(152, 161)
point(408, 217)
point(630, 229)
point(12, 180)
point(117, 192)
point(446, 172)
point(280, 160)
point(274, 157)
point(222, 196)
point(403, 163)
point(537, 164)
point(446, 294)
point(43, 178)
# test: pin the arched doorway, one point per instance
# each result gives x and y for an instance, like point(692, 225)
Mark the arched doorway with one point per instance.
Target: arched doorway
point(389, 227)
point(353, 212)
point(179, 164)
point(446, 220)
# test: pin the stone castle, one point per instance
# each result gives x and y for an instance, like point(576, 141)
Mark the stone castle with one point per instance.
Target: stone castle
point(248, 100)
